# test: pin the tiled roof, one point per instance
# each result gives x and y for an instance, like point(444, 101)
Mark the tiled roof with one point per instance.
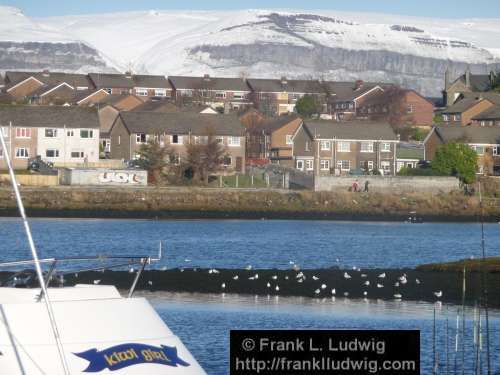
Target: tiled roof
point(287, 85)
point(153, 82)
point(463, 104)
point(48, 78)
point(49, 116)
point(478, 82)
point(492, 113)
point(208, 83)
point(181, 123)
point(277, 123)
point(82, 94)
point(469, 134)
point(105, 80)
point(351, 130)
point(346, 91)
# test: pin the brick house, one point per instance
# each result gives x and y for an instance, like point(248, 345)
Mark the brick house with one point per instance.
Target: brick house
point(484, 140)
point(412, 108)
point(62, 135)
point(468, 106)
point(113, 84)
point(465, 83)
point(280, 145)
point(490, 117)
point(325, 148)
point(229, 93)
point(279, 96)
point(175, 130)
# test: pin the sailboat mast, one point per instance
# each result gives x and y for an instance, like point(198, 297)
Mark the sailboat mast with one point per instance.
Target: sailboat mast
point(34, 254)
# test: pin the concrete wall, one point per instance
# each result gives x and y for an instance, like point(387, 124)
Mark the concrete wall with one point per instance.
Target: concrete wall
point(104, 177)
point(33, 179)
point(381, 184)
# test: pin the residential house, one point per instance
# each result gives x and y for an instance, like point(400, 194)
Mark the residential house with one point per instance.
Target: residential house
point(62, 135)
point(484, 140)
point(113, 84)
point(176, 130)
point(151, 86)
point(407, 106)
point(31, 85)
point(280, 145)
point(490, 117)
point(467, 82)
point(467, 106)
point(279, 96)
point(229, 93)
point(408, 155)
point(346, 97)
point(323, 147)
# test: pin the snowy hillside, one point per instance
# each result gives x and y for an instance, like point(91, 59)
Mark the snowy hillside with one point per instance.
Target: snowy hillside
point(333, 45)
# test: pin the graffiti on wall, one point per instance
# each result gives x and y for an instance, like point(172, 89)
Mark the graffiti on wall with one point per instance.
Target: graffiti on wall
point(131, 178)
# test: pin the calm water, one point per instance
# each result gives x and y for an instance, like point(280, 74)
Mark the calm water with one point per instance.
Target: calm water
point(203, 322)
point(237, 243)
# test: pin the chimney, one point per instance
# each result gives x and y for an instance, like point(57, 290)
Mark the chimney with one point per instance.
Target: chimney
point(358, 84)
point(467, 78)
point(46, 73)
point(206, 77)
point(284, 81)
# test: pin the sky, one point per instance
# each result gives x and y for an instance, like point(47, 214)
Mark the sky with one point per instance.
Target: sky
point(422, 8)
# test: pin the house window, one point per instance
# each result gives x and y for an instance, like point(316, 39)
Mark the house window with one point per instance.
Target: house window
point(119, 140)
point(324, 164)
point(385, 147)
point(77, 154)
point(233, 141)
point(160, 92)
point(409, 108)
point(325, 146)
point(457, 117)
point(108, 90)
point(219, 140)
point(70, 133)
point(238, 95)
point(200, 140)
point(445, 118)
point(22, 152)
point(140, 138)
point(495, 150)
point(176, 139)
point(50, 133)
point(51, 153)
point(226, 161)
point(300, 165)
point(5, 132)
point(23, 133)
point(86, 133)
point(141, 91)
point(386, 166)
point(344, 165)
point(220, 95)
point(366, 146)
point(479, 149)
point(288, 139)
point(366, 165)
point(344, 147)
point(309, 164)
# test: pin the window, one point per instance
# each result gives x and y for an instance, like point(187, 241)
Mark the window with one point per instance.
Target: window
point(5, 131)
point(386, 166)
point(176, 139)
point(238, 95)
point(479, 149)
point(108, 90)
point(175, 159)
point(457, 117)
point(344, 165)
point(23, 133)
point(220, 95)
point(325, 146)
point(22, 153)
point(409, 108)
point(226, 161)
point(366, 165)
point(324, 164)
point(141, 91)
point(366, 146)
point(140, 138)
point(300, 165)
point(309, 164)
point(288, 139)
point(445, 118)
point(385, 147)
point(495, 150)
point(119, 139)
point(52, 153)
point(219, 140)
point(200, 140)
point(86, 133)
point(50, 133)
point(344, 146)
point(233, 141)
point(70, 133)
point(160, 92)
point(77, 154)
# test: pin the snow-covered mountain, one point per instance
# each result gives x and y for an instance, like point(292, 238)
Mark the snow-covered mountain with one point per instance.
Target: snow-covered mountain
point(258, 43)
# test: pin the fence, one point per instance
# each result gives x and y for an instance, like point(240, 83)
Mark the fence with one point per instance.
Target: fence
point(33, 179)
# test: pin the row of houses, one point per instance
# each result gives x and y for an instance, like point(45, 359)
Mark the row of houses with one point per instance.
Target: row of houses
point(335, 100)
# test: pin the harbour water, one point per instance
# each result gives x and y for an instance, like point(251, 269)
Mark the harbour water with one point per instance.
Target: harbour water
point(203, 321)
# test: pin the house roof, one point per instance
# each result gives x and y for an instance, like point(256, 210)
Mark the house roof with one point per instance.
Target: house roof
point(346, 91)
point(407, 150)
point(45, 89)
point(48, 78)
point(277, 123)
point(463, 104)
point(48, 116)
point(208, 83)
point(287, 85)
point(181, 123)
point(492, 113)
point(106, 80)
point(148, 81)
point(83, 94)
point(362, 130)
point(158, 106)
point(478, 82)
point(493, 97)
point(469, 134)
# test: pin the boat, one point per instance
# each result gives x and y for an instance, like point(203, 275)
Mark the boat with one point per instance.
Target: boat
point(48, 328)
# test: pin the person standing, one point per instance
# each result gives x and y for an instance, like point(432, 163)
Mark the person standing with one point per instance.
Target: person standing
point(366, 186)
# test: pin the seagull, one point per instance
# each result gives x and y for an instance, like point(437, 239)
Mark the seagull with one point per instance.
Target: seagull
point(131, 270)
point(379, 285)
point(438, 294)
point(323, 286)
point(236, 277)
point(315, 278)
point(334, 292)
point(300, 280)
point(291, 262)
point(363, 275)
point(182, 270)
point(365, 293)
point(277, 288)
point(223, 285)
point(299, 275)
point(268, 285)
point(404, 281)
point(346, 294)
point(346, 275)
point(337, 260)
point(286, 277)
point(150, 282)
point(382, 275)
point(317, 291)
point(367, 282)
point(215, 271)
point(96, 282)
point(396, 284)
point(251, 278)
point(417, 281)
point(164, 268)
point(398, 296)
point(274, 277)
point(256, 276)
point(210, 271)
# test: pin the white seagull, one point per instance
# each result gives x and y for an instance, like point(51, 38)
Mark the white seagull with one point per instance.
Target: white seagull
point(315, 278)
point(367, 282)
point(398, 296)
point(97, 282)
point(323, 286)
point(382, 275)
point(223, 285)
point(277, 288)
point(334, 292)
point(274, 277)
point(438, 294)
point(236, 277)
point(346, 275)
point(317, 291)
point(379, 285)
point(417, 281)
point(268, 285)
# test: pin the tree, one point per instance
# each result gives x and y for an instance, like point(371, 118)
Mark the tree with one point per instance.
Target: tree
point(205, 156)
point(154, 158)
point(307, 106)
point(456, 159)
point(495, 85)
